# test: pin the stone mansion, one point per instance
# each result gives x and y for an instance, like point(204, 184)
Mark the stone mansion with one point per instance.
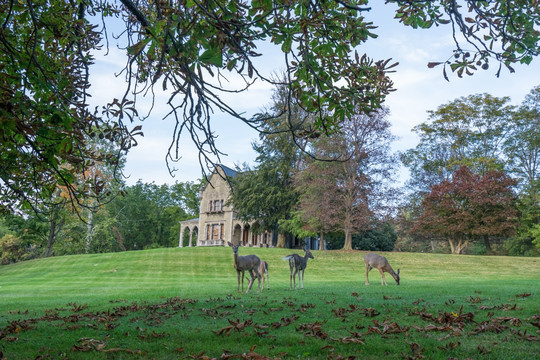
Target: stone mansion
point(217, 223)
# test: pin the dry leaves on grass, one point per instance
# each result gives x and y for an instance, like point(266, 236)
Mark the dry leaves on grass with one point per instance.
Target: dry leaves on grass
point(213, 313)
point(503, 307)
point(537, 325)
point(285, 321)
point(386, 328)
point(226, 355)
point(355, 338)
point(236, 325)
point(313, 330)
point(451, 318)
point(449, 346)
point(441, 328)
point(523, 335)
point(89, 344)
point(343, 313)
point(152, 335)
point(416, 352)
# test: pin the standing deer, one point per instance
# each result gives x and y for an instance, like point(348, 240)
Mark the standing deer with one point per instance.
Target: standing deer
point(263, 269)
point(380, 263)
point(250, 263)
point(298, 264)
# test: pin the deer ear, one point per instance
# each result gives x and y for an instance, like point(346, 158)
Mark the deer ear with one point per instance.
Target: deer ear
point(228, 242)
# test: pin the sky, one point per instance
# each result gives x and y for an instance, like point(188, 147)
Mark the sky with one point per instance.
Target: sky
point(419, 89)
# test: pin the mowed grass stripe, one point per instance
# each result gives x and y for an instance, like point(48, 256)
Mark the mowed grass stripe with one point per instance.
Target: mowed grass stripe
point(203, 271)
point(334, 280)
point(192, 265)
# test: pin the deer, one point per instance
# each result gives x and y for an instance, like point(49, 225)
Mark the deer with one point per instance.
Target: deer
point(263, 269)
point(380, 263)
point(298, 264)
point(250, 263)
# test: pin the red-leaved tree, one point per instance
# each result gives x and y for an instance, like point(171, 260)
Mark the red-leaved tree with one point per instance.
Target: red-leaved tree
point(469, 207)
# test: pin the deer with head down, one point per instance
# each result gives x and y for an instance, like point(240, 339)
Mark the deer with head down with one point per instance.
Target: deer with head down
point(250, 263)
point(380, 263)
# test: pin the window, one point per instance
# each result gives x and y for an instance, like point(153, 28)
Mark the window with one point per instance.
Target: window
point(215, 232)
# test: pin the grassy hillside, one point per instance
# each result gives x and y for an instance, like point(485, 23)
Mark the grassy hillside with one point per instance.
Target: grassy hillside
point(171, 303)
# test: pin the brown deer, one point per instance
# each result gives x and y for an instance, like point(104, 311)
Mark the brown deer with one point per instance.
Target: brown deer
point(250, 263)
point(380, 263)
point(298, 264)
point(263, 269)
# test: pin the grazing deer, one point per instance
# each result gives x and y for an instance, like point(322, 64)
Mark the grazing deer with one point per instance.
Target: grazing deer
point(298, 264)
point(263, 269)
point(380, 263)
point(250, 263)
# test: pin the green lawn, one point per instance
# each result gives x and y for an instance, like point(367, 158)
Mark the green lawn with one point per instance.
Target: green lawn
point(182, 303)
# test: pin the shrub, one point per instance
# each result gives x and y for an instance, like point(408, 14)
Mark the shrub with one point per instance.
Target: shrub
point(12, 249)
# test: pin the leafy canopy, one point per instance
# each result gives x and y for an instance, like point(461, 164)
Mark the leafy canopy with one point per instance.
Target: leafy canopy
point(193, 49)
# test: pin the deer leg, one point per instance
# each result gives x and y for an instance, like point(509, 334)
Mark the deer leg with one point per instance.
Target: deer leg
point(258, 278)
point(368, 268)
point(383, 279)
point(267, 280)
point(291, 268)
point(290, 280)
point(302, 278)
point(294, 277)
point(238, 273)
point(251, 281)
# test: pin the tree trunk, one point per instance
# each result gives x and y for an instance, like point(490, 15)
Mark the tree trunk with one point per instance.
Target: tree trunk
point(348, 240)
point(281, 240)
point(51, 238)
point(457, 245)
point(321, 242)
point(119, 238)
point(55, 225)
point(89, 232)
point(489, 251)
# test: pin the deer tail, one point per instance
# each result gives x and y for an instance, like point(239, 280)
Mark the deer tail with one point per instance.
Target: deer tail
point(286, 258)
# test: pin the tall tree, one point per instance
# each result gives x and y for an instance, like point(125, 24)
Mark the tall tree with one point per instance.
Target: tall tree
point(347, 183)
point(468, 207)
point(188, 47)
point(469, 131)
point(266, 194)
point(522, 148)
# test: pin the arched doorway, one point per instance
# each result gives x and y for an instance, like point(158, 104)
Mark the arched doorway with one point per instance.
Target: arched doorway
point(194, 236)
point(245, 236)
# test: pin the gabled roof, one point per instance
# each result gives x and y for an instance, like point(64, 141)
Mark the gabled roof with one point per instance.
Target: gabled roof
point(228, 171)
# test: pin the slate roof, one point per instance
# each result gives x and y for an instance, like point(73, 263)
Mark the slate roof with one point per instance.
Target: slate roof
point(228, 171)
